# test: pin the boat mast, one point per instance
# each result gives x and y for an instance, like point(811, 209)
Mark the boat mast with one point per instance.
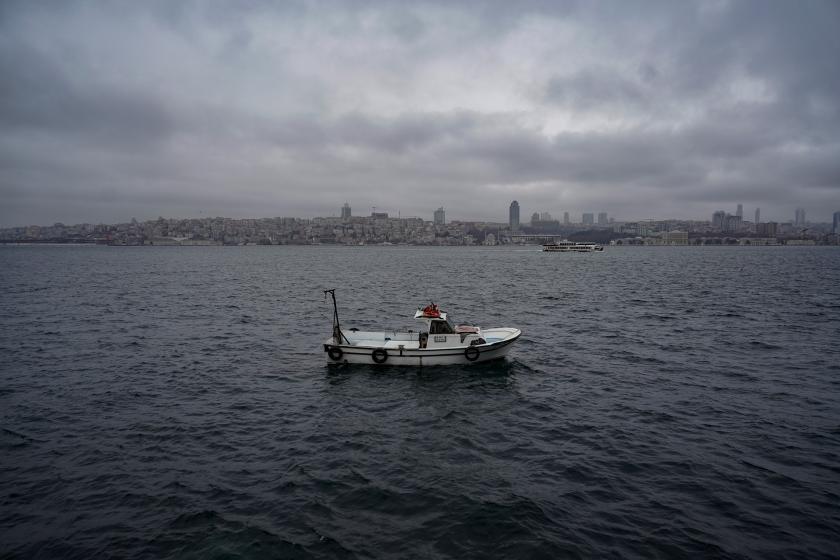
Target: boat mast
point(337, 334)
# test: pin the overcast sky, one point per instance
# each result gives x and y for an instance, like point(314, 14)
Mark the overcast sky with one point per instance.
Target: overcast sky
point(256, 109)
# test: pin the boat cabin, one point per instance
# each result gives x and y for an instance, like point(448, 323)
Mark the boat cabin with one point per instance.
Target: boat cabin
point(436, 324)
point(440, 332)
point(437, 332)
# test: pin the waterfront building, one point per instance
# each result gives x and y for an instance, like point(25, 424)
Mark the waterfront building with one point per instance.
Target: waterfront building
point(740, 211)
point(345, 212)
point(602, 218)
point(566, 220)
point(675, 238)
point(758, 241)
point(513, 216)
point(800, 217)
point(836, 228)
point(718, 219)
point(588, 219)
point(440, 216)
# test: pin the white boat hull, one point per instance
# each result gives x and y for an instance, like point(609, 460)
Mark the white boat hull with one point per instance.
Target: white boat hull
point(390, 352)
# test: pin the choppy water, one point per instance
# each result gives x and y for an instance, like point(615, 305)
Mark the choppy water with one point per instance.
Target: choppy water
point(662, 402)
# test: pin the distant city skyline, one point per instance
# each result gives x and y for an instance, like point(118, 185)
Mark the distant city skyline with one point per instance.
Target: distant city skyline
point(798, 216)
point(146, 109)
point(381, 228)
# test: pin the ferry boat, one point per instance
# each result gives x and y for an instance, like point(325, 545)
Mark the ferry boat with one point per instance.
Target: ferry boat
point(437, 341)
point(566, 246)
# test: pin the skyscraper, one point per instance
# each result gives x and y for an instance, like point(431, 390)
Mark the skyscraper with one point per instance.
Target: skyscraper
point(836, 228)
point(800, 217)
point(440, 216)
point(545, 217)
point(757, 215)
point(602, 218)
point(513, 216)
point(566, 220)
point(345, 212)
point(535, 218)
point(740, 211)
point(588, 219)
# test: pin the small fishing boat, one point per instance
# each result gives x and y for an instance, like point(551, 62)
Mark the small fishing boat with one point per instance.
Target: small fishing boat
point(437, 341)
point(571, 247)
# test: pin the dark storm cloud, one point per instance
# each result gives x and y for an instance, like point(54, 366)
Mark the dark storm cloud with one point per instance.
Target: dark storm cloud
point(175, 108)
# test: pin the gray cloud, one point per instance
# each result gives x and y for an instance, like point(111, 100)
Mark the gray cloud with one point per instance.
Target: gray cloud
point(591, 89)
point(653, 109)
point(38, 96)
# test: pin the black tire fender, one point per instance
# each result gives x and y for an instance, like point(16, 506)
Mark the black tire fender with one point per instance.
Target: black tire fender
point(335, 353)
point(472, 353)
point(380, 355)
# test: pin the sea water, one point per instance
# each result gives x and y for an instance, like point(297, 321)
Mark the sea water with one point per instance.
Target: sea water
point(172, 402)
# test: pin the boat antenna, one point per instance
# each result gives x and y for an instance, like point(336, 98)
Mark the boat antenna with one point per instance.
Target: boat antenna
point(337, 334)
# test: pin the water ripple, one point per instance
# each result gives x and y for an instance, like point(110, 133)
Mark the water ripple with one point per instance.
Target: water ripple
point(662, 402)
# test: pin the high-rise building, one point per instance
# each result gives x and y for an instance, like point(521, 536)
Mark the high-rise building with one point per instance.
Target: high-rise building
point(566, 219)
point(740, 211)
point(757, 215)
point(602, 218)
point(545, 217)
point(732, 224)
point(800, 217)
point(768, 229)
point(535, 218)
point(513, 216)
point(718, 219)
point(440, 216)
point(345, 212)
point(836, 228)
point(588, 219)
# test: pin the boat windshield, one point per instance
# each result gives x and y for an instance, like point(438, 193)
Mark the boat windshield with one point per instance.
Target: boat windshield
point(439, 326)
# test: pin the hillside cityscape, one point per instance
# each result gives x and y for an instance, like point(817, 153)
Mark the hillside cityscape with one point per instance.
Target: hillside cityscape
point(381, 228)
